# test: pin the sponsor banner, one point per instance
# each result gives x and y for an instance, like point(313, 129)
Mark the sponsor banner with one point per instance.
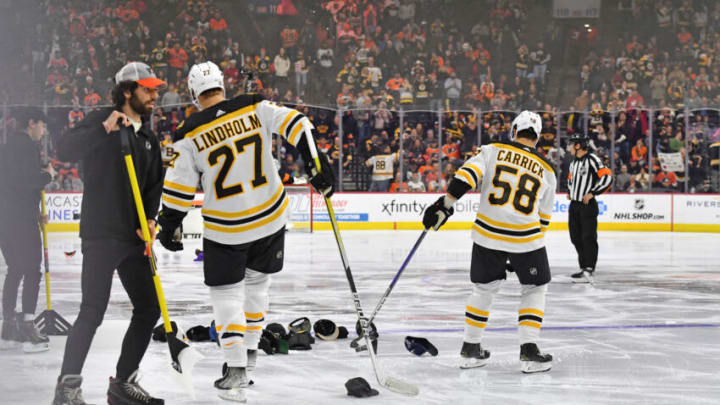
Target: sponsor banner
point(576, 8)
point(63, 208)
point(696, 212)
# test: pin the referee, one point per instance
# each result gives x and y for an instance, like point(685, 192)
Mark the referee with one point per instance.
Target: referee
point(109, 229)
point(588, 178)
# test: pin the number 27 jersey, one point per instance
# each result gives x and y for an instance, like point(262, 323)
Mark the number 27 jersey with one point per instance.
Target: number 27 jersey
point(228, 148)
point(517, 195)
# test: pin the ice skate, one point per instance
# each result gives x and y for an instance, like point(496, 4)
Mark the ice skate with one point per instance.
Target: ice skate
point(33, 341)
point(68, 391)
point(10, 338)
point(232, 385)
point(473, 355)
point(532, 360)
point(129, 392)
point(583, 276)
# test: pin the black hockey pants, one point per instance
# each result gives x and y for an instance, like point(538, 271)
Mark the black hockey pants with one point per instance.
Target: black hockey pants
point(22, 249)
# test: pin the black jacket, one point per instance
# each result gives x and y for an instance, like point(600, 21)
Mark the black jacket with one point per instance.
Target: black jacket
point(108, 209)
point(21, 180)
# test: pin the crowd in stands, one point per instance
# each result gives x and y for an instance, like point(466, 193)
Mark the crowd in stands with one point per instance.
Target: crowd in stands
point(373, 57)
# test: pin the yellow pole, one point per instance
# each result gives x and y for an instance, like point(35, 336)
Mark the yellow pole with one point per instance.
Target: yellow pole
point(43, 228)
point(146, 237)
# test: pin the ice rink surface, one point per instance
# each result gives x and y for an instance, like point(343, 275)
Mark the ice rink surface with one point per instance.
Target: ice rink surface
point(648, 332)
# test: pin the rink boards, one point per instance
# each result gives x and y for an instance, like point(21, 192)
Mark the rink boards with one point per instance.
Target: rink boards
point(388, 211)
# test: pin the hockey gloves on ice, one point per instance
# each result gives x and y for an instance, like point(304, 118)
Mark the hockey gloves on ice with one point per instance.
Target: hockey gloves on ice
point(170, 235)
point(323, 182)
point(437, 214)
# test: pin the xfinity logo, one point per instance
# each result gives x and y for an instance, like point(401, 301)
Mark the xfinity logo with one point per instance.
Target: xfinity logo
point(395, 207)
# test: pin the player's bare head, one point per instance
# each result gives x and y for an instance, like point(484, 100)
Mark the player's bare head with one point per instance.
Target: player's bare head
point(202, 80)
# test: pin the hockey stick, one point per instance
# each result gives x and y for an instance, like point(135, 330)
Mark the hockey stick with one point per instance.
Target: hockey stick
point(49, 321)
point(183, 355)
point(393, 384)
point(380, 303)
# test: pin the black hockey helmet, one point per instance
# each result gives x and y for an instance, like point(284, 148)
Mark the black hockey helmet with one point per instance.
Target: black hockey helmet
point(579, 138)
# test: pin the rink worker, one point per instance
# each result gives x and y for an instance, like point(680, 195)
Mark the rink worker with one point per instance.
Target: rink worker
point(22, 179)
point(110, 232)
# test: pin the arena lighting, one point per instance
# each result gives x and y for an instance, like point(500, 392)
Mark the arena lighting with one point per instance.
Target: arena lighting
point(589, 30)
point(587, 25)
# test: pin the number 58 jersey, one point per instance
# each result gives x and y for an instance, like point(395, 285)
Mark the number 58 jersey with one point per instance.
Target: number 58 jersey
point(517, 195)
point(228, 149)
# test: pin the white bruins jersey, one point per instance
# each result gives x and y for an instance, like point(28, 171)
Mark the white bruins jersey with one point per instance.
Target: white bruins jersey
point(383, 166)
point(228, 148)
point(517, 194)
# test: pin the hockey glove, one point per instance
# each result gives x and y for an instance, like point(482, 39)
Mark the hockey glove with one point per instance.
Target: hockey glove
point(170, 235)
point(324, 181)
point(437, 214)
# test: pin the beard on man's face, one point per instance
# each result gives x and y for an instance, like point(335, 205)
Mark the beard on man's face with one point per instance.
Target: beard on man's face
point(140, 107)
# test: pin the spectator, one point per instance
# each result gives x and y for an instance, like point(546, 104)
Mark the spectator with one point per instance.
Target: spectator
point(640, 152)
point(453, 89)
point(622, 180)
point(171, 97)
point(177, 58)
point(666, 180)
point(399, 185)
point(643, 179)
point(281, 65)
point(383, 166)
point(416, 185)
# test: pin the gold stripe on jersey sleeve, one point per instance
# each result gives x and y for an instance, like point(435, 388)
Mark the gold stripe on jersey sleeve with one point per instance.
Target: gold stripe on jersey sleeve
point(528, 154)
point(531, 311)
point(218, 121)
point(507, 225)
point(231, 328)
point(257, 328)
point(506, 238)
point(476, 311)
point(175, 201)
point(254, 315)
point(532, 324)
point(476, 169)
point(179, 187)
point(250, 211)
point(544, 216)
point(468, 179)
point(238, 229)
point(287, 120)
point(293, 136)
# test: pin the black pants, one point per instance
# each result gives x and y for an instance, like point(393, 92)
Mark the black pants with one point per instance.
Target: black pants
point(582, 222)
point(100, 259)
point(22, 248)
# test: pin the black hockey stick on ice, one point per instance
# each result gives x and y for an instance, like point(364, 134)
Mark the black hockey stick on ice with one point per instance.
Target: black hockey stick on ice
point(393, 384)
point(355, 342)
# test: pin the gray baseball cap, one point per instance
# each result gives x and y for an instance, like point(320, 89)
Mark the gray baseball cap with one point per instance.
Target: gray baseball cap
point(140, 73)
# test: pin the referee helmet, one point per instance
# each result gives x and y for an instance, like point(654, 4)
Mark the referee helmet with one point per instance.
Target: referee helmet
point(580, 138)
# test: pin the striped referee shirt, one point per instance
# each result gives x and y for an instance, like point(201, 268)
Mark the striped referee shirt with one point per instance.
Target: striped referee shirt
point(588, 174)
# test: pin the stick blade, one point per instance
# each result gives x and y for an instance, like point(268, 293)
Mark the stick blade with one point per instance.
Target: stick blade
point(184, 357)
point(399, 386)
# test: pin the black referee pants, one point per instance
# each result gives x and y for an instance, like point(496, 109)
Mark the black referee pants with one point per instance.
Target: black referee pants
point(582, 222)
point(100, 259)
point(22, 249)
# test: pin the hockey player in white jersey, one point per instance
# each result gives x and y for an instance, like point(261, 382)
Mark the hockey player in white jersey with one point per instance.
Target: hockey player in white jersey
point(227, 147)
point(517, 193)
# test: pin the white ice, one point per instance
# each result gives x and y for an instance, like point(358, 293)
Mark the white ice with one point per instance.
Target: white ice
point(648, 332)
